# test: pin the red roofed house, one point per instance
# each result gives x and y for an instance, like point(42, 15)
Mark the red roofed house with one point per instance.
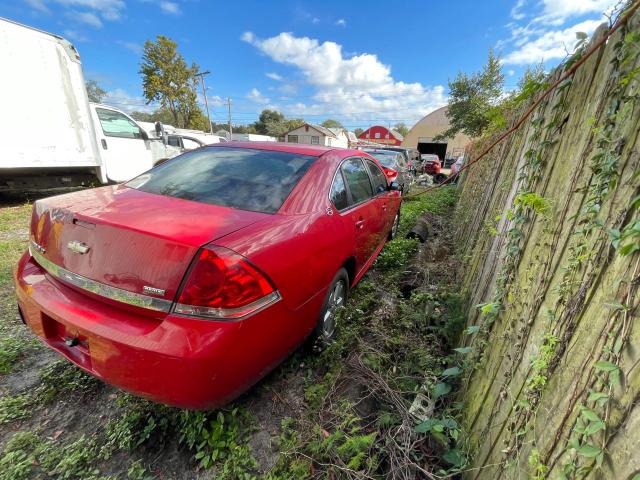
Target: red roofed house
point(380, 134)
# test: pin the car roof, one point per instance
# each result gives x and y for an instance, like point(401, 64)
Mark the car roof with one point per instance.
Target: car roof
point(380, 150)
point(298, 148)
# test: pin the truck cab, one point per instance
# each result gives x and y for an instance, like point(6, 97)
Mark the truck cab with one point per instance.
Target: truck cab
point(126, 149)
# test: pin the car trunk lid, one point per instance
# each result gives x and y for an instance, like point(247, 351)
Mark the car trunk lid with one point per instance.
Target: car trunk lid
point(130, 240)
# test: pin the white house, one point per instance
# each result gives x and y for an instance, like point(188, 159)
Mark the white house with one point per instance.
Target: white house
point(311, 134)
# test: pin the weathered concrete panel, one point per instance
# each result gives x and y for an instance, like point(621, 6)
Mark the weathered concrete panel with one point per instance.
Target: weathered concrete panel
point(567, 299)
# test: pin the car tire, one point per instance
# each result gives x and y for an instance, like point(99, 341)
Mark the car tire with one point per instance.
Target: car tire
point(394, 227)
point(325, 331)
point(439, 178)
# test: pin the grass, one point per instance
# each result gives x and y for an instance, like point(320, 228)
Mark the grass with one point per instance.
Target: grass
point(14, 342)
point(392, 351)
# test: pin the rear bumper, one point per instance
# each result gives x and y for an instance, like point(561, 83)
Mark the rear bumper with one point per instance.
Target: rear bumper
point(180, 361)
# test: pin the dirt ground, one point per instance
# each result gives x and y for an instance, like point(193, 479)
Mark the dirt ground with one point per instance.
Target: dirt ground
point(54, 405)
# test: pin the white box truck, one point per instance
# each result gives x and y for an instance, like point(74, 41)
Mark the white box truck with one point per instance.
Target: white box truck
point(52, 136)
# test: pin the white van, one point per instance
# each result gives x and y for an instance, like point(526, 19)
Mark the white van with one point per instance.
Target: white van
point(51, 135)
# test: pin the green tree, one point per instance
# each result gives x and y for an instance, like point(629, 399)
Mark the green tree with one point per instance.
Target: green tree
point(95, 93)
point(167, 79)
point(401, 128)
point(269, 121)
point(331, 123)
point(293, 123)
point(472, 99)
point(358, 131)
point(274, 123)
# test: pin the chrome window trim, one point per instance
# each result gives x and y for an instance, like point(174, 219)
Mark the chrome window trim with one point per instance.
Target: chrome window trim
point(107, 291)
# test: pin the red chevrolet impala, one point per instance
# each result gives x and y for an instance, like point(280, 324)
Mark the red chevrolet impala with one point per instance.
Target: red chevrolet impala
point(189, 283)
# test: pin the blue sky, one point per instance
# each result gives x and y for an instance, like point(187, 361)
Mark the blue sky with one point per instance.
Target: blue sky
point(361, 62)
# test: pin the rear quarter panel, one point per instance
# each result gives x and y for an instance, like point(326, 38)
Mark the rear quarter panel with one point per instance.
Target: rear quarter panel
point(299, 253)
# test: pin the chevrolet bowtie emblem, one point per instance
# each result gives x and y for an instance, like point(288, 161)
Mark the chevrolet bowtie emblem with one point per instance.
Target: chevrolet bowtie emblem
point(78, 247)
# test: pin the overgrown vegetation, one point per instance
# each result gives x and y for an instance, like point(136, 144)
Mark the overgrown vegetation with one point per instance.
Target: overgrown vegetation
point(378, 400)
point(564, 298)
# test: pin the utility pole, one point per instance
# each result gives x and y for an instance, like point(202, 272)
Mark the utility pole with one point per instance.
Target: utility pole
point(204, 92)
point(230, 127)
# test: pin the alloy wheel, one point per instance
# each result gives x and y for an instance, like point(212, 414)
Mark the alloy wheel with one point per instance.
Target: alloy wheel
point(336, 300)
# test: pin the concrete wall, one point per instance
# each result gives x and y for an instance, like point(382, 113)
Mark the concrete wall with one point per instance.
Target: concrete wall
point(557, 349)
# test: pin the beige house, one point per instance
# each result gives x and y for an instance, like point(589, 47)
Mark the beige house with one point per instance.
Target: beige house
point(422, 134)
point(311, 134)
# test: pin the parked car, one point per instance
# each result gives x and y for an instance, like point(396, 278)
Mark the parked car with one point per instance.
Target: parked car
point(411, 155)
point(394, 166)
point(431, 165)
point(189, 283)
point(457, 165)
point(414, 161)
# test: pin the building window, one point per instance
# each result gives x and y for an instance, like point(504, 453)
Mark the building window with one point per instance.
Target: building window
point(292, 138)
point(315, 140)
point(377, 134)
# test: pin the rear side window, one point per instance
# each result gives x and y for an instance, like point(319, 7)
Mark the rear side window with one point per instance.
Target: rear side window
point(357, 179)
point(338, 192)
point(243, 178)
point(379, 179)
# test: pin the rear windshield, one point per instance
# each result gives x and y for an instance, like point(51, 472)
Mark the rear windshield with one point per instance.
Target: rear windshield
point(256, 180)
point(385, 159)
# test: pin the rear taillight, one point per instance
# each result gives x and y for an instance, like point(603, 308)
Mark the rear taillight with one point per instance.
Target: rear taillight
point(390, 173)
point(224, 285)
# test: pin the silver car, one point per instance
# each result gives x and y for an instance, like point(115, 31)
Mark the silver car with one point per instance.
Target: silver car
point(396, 162)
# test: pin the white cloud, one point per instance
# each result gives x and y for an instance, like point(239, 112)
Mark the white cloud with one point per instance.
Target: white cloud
point(88, 18)
point(132, 47)
point(549, 45)
point(315, 20)
point(357, 86)
point(516, 11)
point(544, 30)
point(171, 8)
point(557, 11)
point(121, 99)
point(248, 37)
point(109, 10)
point(38, 5)
point(341, 22)
point(74, 35)
point(274, 76)
point(255, 96)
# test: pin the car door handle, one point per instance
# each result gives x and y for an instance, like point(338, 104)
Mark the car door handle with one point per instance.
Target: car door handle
point(104, 143)
point(360, 223)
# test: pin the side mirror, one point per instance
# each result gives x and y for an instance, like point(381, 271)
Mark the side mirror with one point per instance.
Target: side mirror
point(393, 187)
point(161, 133)
point(144, 134)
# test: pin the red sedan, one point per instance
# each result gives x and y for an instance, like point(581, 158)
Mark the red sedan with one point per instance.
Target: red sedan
point(189, 283)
